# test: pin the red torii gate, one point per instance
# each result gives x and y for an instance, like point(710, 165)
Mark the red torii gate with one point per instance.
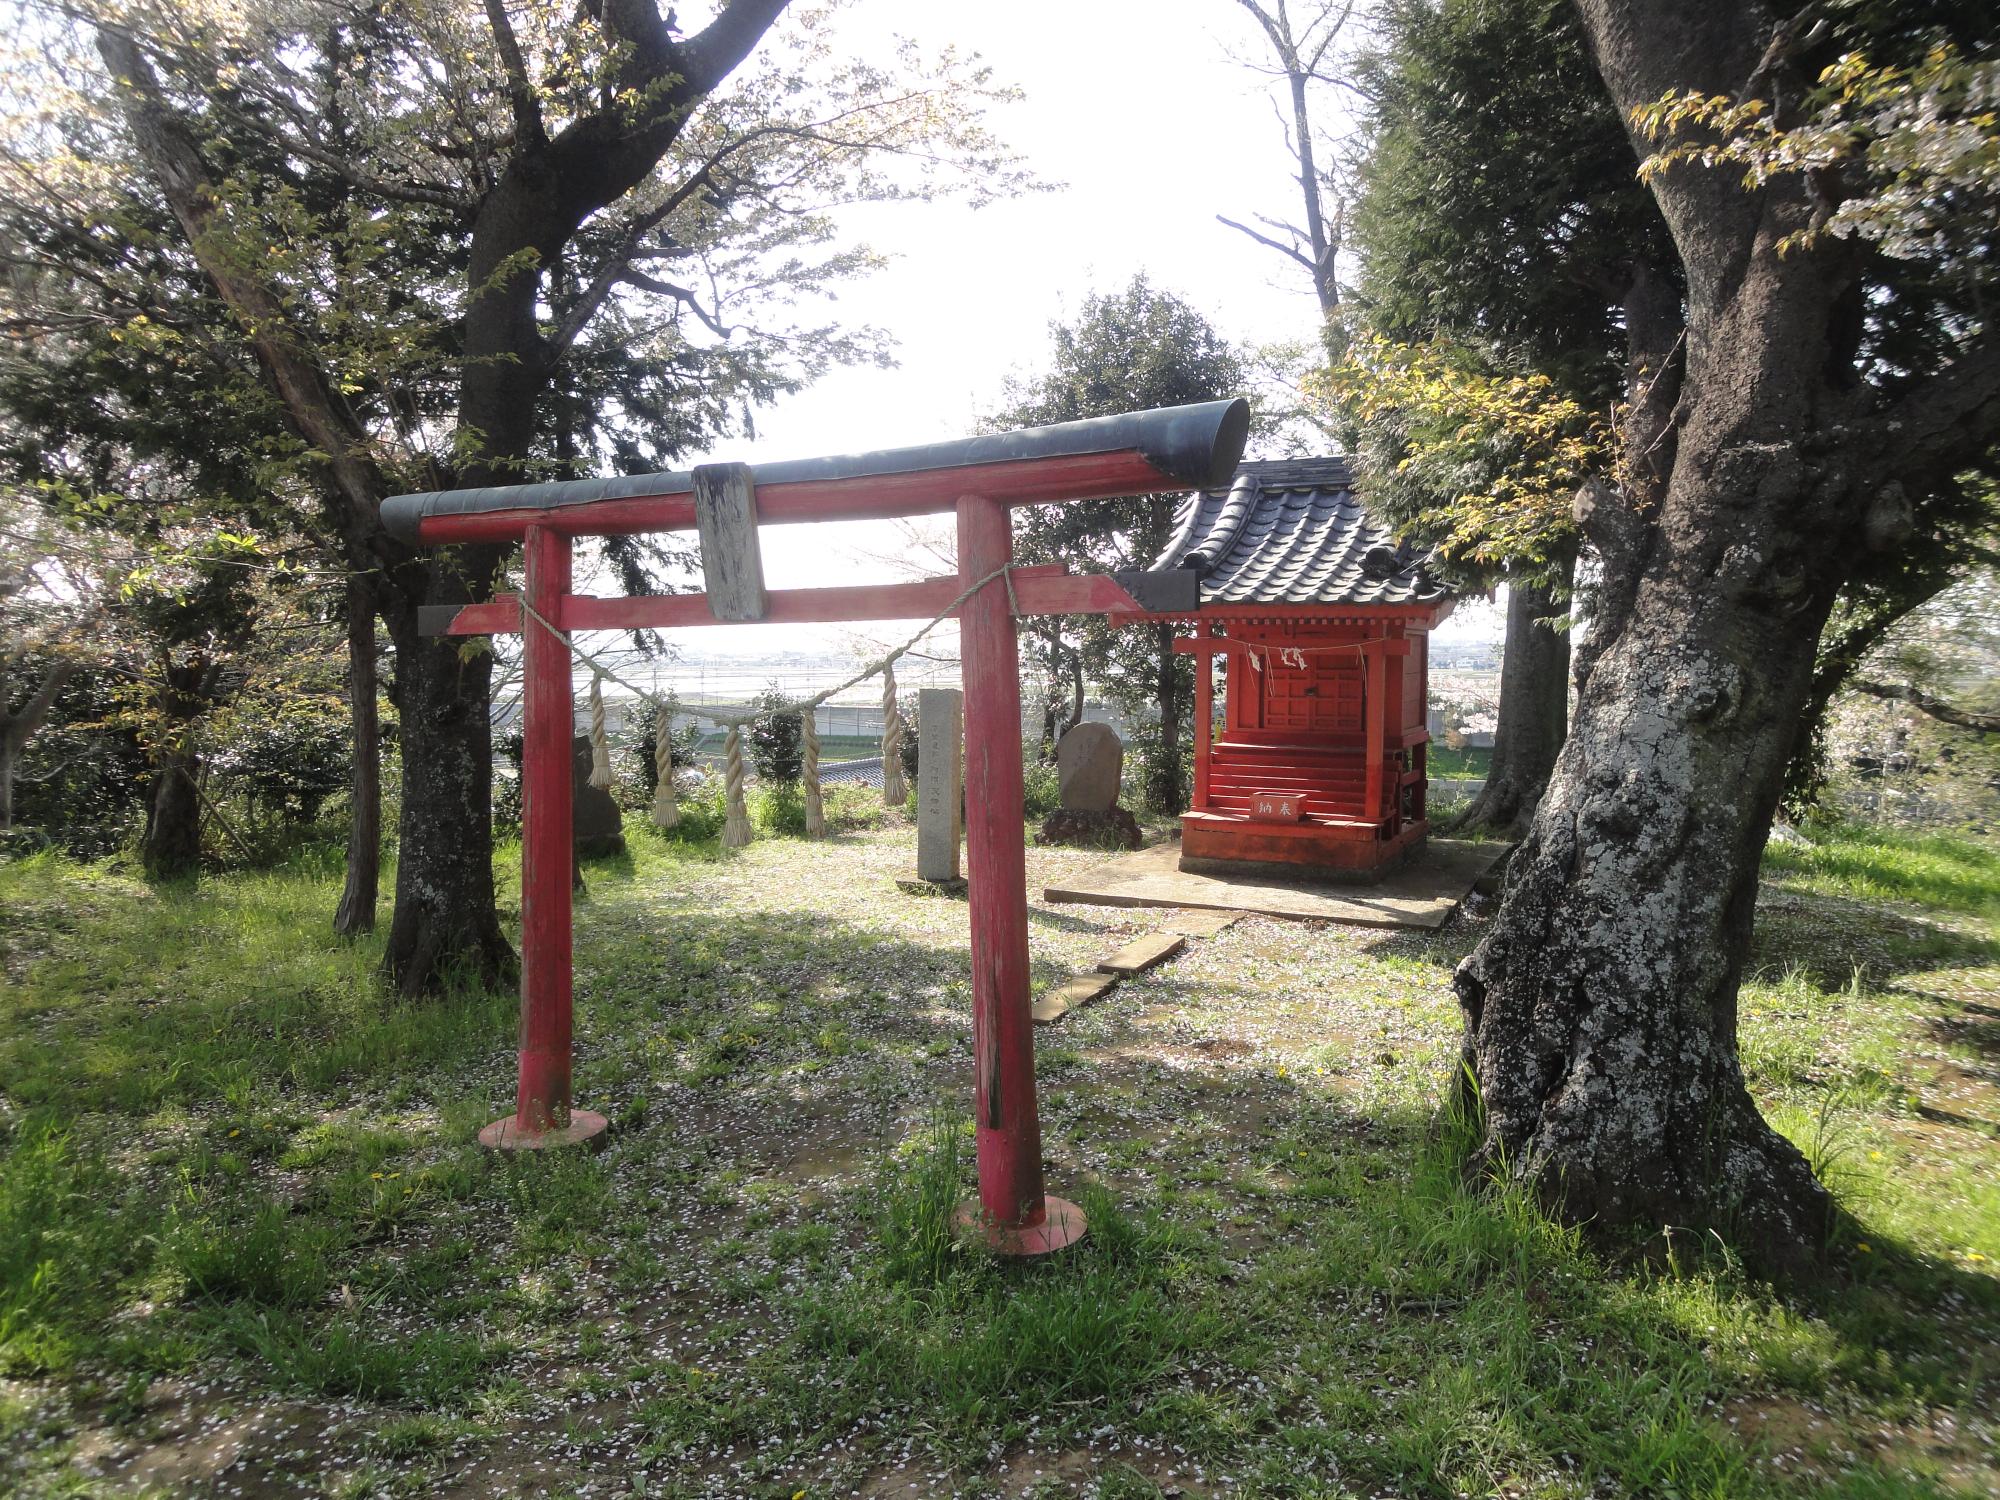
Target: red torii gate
point(980, 479)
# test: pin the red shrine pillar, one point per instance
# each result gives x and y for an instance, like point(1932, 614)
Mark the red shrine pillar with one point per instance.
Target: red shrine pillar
point(1204, 712)
point(1018, 1217)
point(1375, 725)
point(542, 1114)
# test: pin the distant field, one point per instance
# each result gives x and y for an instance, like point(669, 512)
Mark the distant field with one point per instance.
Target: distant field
point(831, 746)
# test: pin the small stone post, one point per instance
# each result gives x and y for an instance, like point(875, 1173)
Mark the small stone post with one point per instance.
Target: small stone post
point(940, 782)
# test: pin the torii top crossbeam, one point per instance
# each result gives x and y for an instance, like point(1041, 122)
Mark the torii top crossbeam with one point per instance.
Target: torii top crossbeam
point(1137, 453)
point(980, 479)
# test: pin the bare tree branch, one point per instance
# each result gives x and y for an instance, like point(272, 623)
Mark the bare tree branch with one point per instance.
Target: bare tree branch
point(1923, 702)
point(684, 295)
point(528, 127)
point(1264, 239)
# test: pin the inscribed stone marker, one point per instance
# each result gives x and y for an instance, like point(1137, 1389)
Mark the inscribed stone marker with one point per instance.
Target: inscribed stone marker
point(596, 825)
point(940, 781)
point(1089, 761)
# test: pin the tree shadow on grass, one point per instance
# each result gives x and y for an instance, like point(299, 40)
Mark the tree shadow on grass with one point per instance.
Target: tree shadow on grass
point(1074, 921)
point(1979, 1033)
point(1831, 938)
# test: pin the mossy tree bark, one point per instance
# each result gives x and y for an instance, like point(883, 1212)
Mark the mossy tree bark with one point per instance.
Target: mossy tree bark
point(1600, 1008)
point(356, 912)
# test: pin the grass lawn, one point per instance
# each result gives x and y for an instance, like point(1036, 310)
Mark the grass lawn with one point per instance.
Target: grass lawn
point(1473, 761)
point(247, 1245)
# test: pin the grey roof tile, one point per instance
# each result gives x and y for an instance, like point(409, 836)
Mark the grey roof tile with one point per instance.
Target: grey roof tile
point(1290, 531)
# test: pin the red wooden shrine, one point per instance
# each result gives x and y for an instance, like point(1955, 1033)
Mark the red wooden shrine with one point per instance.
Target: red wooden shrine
point(978, 479)
point(1323, 622)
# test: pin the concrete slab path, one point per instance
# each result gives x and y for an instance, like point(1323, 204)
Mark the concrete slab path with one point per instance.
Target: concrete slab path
point(1424, 893)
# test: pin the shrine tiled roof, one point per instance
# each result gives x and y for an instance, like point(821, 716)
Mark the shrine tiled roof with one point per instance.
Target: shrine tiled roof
point(1291, 531)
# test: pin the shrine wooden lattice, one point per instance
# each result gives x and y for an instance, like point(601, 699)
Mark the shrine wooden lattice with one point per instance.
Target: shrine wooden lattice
point(979, 480)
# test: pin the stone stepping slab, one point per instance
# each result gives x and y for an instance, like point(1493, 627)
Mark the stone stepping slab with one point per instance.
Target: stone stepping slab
point(1135, 957)
point(1143, 953)
point(1072, 993)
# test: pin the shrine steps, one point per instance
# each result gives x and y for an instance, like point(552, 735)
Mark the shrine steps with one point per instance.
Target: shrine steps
point(1333, 782)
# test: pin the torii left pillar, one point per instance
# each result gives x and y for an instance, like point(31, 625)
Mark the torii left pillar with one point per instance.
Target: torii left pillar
point(542, 1114)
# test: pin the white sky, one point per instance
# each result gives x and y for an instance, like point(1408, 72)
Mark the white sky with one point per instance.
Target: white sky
point(1135, 107)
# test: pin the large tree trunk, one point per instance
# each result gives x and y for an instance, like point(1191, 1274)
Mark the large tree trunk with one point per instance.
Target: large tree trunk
point(1534, 713)
point(356, 912)
point(1600, 1008)
point(1075, 691)
point(445, 926)
point(10, 767)
point(1050, 631)
point(171, 848)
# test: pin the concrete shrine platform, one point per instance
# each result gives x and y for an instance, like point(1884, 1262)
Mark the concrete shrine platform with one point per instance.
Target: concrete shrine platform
point(1421, 893)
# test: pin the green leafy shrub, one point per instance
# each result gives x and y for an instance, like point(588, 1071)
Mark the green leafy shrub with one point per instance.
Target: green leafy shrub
point(778, 808)
point(702, 811)
point(1041, 789)
point(777, 746)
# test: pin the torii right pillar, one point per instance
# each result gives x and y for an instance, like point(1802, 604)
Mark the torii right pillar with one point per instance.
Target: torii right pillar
point(1016, 1215)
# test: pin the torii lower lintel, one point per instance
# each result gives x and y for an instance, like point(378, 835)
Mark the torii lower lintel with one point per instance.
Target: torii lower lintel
point(1037, 591)
point(978, 480)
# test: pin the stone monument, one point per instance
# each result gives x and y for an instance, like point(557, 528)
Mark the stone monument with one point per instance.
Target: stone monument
point(940, 784)
point(599, 826)
point(1090, 761)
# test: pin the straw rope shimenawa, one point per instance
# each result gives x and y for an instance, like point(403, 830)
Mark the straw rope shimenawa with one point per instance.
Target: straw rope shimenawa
point(666, 811)
point(736, 823)
point(736, 826)
point(809, 743)
point(600, 752)
point(894, 792)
